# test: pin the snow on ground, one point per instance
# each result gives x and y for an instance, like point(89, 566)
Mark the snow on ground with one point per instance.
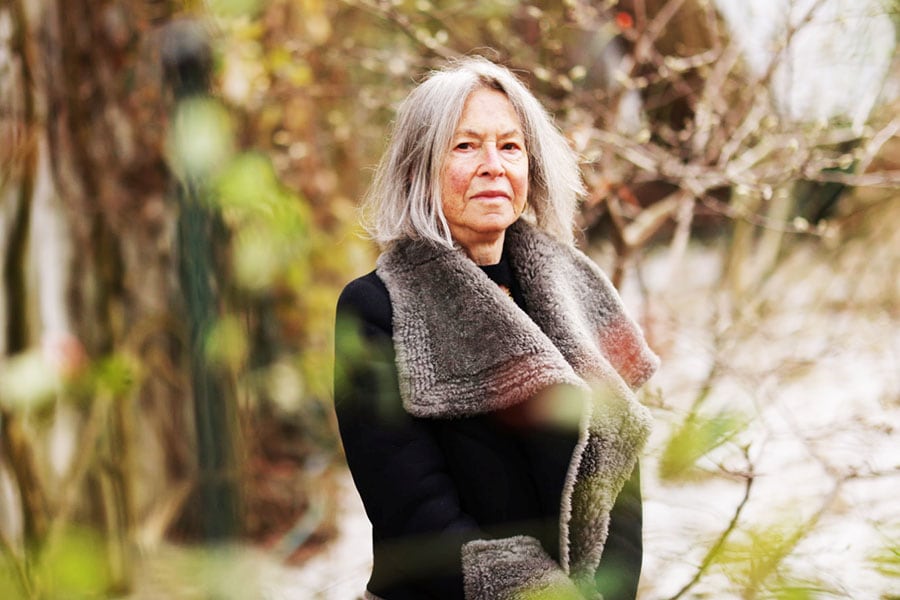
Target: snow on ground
point(816, 372)
point(341, 571)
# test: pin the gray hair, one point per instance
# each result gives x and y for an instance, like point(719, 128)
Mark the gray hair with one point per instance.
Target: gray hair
point(404, 200)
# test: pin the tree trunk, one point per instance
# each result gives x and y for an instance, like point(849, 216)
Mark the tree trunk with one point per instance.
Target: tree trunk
point(88, 251)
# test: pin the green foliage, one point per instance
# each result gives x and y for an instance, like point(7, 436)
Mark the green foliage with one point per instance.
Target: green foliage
point(234, 8)
point(75, 566)
point(695, 438)
point(887, 560)
point(226, 344)
point(116, 375)
point(757, 562)
point(200, 140)
point(270, 225)
point(548, 594)
point(29, 383)
point(10, 583)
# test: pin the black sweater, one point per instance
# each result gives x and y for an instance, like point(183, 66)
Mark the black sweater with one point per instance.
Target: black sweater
point(430, 485)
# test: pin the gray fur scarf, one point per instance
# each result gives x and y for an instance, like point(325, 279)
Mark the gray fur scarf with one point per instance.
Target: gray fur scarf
point(463, 348)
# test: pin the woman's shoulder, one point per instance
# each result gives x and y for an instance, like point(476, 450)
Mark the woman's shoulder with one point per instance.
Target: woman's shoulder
point(367, 299)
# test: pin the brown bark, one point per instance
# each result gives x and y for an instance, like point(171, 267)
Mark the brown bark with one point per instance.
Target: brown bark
point(106, 115)
point(86, 83)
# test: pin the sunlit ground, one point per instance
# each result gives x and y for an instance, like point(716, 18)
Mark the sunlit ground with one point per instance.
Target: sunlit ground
point(812, 367)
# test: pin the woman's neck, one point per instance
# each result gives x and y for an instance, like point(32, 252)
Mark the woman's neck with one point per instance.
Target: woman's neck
point(484, 252)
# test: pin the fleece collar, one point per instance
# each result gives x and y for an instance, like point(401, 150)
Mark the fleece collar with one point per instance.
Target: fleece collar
point(463, 347)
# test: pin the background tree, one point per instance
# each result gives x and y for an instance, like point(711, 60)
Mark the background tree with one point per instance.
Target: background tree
point(97, 423)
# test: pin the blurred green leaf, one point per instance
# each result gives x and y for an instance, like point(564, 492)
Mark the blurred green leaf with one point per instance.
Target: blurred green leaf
point(226, 344)
point(271, 224)
point(696, 437)
point(887, 560)
point(117, 374)
point(249, 190)
point(201, 137)
point(9, 582)
point(75, 566)
point(234, 8)
point(756, 562)
point(256, 259)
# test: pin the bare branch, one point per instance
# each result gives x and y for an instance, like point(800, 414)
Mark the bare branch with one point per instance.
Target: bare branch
point(749, 126)
point(76, 474)
point(650, 219)
point(878, 140)
point(680, 240)
point(791, 32)
point(884, 179)
point(723, 537)
point(712, 102)
point(654, 29)
point(755, 219)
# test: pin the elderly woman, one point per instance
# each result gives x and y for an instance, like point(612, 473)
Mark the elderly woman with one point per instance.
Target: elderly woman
point(485, 371)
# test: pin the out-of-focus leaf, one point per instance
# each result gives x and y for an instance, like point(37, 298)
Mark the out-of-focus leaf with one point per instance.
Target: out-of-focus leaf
point(226, 344)
point(9, 585)
point(756, 561)
point(201, 138)
point(27, 381)
point(286, 386)
point(271, 224)
point(887, 561)
point(695, 438)
point(75, 566)
point(234, 8)
point(116, 374)
point(249, 189)
point(256, 259)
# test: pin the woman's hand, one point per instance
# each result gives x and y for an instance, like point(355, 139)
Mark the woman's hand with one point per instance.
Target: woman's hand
point(514, 568)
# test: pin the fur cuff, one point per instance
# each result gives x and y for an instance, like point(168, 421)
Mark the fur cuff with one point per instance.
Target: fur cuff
point(513, 568)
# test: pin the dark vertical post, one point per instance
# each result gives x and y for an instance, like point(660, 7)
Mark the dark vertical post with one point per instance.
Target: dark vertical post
point(187, 61)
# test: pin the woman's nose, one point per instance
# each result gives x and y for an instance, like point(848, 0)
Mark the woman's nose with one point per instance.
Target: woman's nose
point(491, 164)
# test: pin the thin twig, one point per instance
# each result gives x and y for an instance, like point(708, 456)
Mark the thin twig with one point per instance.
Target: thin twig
point(723, 537)
point(753, 218)
point(884, 179)
point(874, 146)
point(90, 433)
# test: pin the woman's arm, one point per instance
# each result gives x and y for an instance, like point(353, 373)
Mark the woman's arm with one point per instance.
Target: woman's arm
point(620, 568)
point(396, 465)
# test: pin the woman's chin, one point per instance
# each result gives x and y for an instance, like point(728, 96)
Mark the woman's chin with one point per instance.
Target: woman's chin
point(494, 222)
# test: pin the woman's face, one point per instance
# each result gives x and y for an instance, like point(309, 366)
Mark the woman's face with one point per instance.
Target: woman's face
point(484, 178)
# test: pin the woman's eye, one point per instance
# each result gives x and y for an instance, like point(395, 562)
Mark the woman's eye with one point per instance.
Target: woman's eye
point(463, 146)
point(510, 146)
